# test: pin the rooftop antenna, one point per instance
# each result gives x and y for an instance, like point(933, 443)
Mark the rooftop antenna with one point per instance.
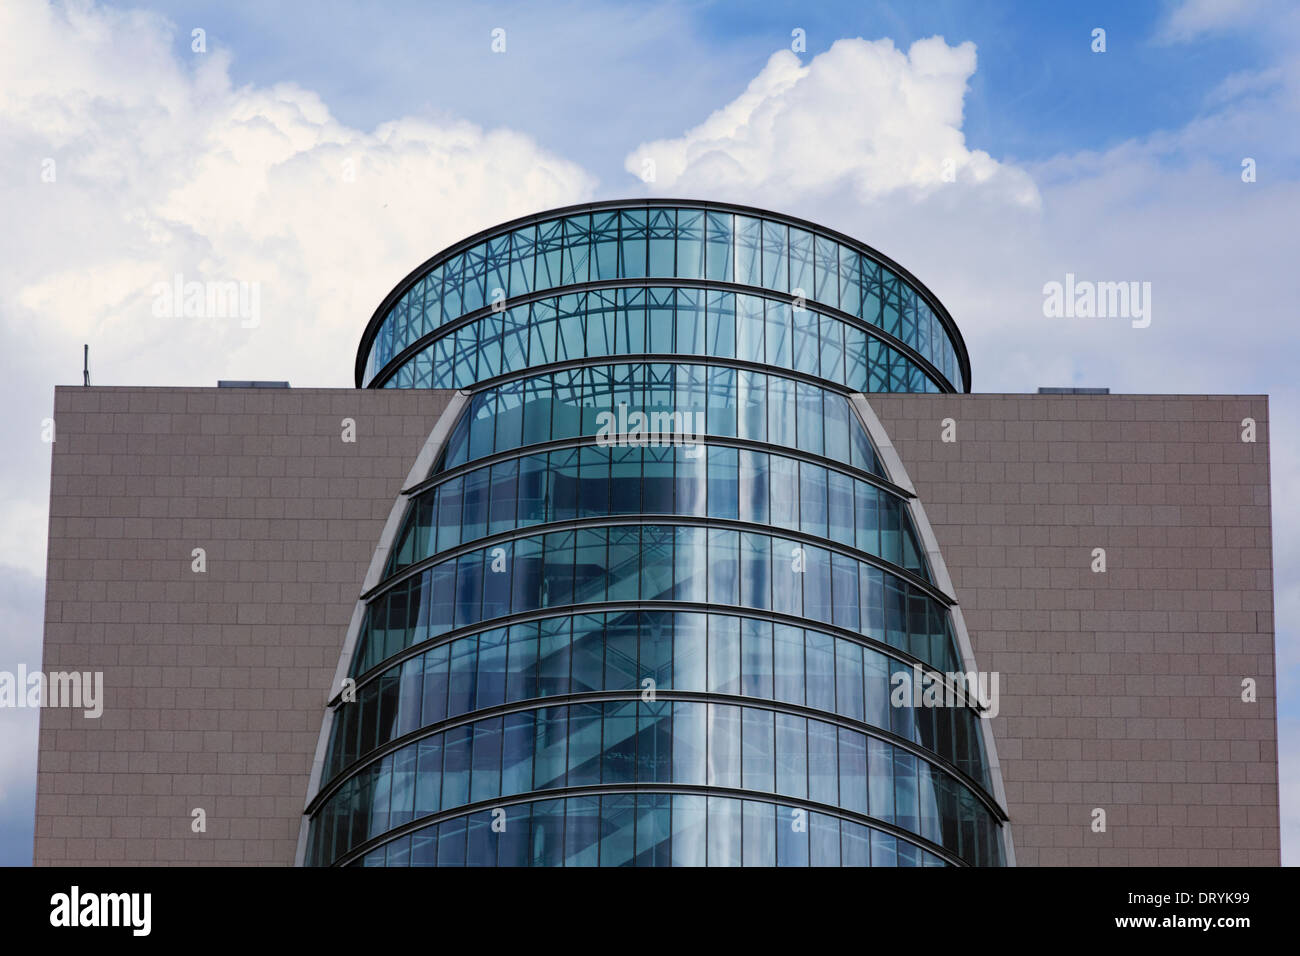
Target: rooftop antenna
point(85, 364)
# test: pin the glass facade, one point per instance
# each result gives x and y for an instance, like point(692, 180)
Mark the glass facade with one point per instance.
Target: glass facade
point(659, 321)
point(714, 402)
point(648, 606)
point(638, 563)
point(776, 262)
point(729, 483)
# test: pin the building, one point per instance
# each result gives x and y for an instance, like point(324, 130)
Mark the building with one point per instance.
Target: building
point(636, 544)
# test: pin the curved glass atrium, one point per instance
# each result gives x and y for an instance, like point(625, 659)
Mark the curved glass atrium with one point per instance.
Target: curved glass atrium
point(645, 607)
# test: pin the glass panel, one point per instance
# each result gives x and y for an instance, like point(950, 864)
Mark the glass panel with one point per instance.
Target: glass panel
point(758, 749)
point(588, 653)
point(632, 245)
point(486, 761)
point(618, 820)
point(690, 654)
point(748, 251)
point(724, 745)
point(576, 249)
point(755, 571)
point(724, 654)
point(462, 685)
point(759, 834)
point(756, 658)
point(754, 480)
point(801, 263)
point(548, 833)
point(491, 685)
point(820, 663)
point(690, 828)
point(456, 766)
point(749, 328)
point(604, 235)
point(723, 478)
point(721, 323)
point(653, 829)
point(724, 567)
point(826, 254)
point(582, 831)
point(451, 842)
point(690, 244)
point(781, 413)
point(812, 499)
point(791, 836)
point(663, 236)
point(806, 353)
point(779, 334)
point(789, 664)
point(690, 749)
point(853, 770)
point(517, 753)
point(724, 832)
point(848, 679)
point(824, 840)
point(551, 747)
point(690, 321)
point(775, 257)
point(654, 745)
point(844, 592)
point(618, 748)
point(791, 755)
point(720, 253)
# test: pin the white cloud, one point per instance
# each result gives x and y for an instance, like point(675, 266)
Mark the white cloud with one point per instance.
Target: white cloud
point(163, 167)
point(849, 140)
point(863, 118)
point(1245, 83)
point(1195, 18)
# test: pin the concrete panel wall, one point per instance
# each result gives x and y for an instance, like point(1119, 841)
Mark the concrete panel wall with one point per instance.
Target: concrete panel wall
point(215, 683)
point(1119, 690)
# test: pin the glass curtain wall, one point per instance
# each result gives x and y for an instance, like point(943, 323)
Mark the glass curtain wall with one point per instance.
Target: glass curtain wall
point(650, 604)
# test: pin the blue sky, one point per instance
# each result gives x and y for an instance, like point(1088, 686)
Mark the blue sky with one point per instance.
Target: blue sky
point(1123, 165)
point(1038, 90)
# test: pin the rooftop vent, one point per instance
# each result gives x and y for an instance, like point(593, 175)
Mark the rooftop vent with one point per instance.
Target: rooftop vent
point(225, 384)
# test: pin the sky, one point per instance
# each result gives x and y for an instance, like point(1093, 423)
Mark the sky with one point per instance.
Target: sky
point(323, 151)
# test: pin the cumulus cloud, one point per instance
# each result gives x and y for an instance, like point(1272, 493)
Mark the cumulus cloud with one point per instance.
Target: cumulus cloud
point(849, 139)
point(863, 117)
point(161, 166)
point(132, 162)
